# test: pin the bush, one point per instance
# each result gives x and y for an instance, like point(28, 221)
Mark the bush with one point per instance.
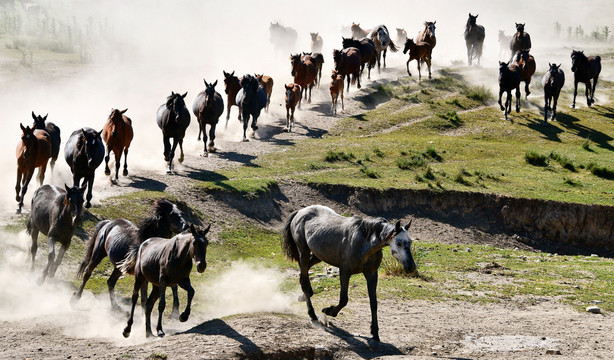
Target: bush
point(432, 153)
point(535, 159)
point(416, 161)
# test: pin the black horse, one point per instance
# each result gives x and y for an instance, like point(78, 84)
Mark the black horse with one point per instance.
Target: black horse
point(584, 70)
point(520, 41)
point(114, 238)
point(509, 79)
point(55, 212)
point(208, 107)
point(553, 82)
point(54, 133)
point(84, 152)
point(368, 55)
point(474, 39)
point(173, 118)
point(251, 99)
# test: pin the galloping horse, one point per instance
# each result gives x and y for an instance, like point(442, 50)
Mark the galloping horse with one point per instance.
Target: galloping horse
point(318, 60)
point(419, 52)
point(114, 238)
point(117, 134)
point(173, 118)
point(251, 99)
point(382, 41)
point(368, 55)
point(336, 89)
point(520, 41)
point(267, 83)
point(509, 79)
point(358, 32)
point(427, 35)
point(56, 212)
point(208, 107)
point(354, 245)
point(282, 37)
point(526, 64)
point(474, 39)
point(41, 123)
point(231, 88)
point(304, 72)
point(347, 63)
point(33, 151)
point(165, 262)
point(293, 96)
point(584, 70)
point(553, 82)
point(84, 152)
point(504, 42)
point(316, 43)
point(401, 36)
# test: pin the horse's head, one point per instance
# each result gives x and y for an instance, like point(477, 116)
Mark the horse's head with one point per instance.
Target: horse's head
point(88, 143)
point(73, 203)
point(502, 66)
point(575, 57)
point(337, 58)
point(553, 70)
point(409, 44)
point(430, 25)
point(346, 42)
point(295, 62)
point(401, 32)
point(314, 36)
point(175, 102)
point(519, 28)
point(115, 118)
point(170, 213)
point(400, 247)
point(199, 246)
point(289, 91)
point(472, 19)
point(249, 84)
point(28, 140)
point(39, 121)
point(209, 91)
point(230, 80)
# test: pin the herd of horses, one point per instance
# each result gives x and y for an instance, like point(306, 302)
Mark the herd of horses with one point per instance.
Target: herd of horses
point(163, 247)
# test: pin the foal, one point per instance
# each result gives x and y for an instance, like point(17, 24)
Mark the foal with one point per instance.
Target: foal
point(336, 89)
point(293, 97)
point(419, 52)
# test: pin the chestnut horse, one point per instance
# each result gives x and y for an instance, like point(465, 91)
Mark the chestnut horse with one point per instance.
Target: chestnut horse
point(336, 89)
point(318, 60)
point(117, 134)
point(231, 88)
point(41, 123)
point(428, 35)
point(526, 63)
point(584, 70)
point(358, 32)
point(368, 55)
point(304, 72)
point(267, 83)
point(33, 151)
point(418, 52)
point(347, 62)
point(293, 97)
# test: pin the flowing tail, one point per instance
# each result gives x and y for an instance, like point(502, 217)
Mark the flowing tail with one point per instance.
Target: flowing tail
point(288, 244)
point(90, 248)
point(127, 265)
point(393, 47)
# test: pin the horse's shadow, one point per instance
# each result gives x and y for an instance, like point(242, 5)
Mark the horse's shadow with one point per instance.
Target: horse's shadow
point(572, 124)
point(536, 123)
point(219, 327)
point(140, 182)
point(368, 350)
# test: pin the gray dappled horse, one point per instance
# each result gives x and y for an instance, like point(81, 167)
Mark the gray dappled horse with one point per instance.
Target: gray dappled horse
point(354, 245)
point(84, 152)
point(208, 107)
point(173, 118)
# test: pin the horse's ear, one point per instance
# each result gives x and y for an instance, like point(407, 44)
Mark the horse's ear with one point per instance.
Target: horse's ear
point(172, 93)
point(207, 229)
point(476, 16)
point(207, 85)
point(33, 116)
point(434, 22)
point(22, 128)
point(45, 117)
point(123, 111)
point(397, 227)
point(184, 95)
point(99, 133)
point(215, 83)
point(559, 66)
point(406, 227)
point(192, 229)
point(225, 73)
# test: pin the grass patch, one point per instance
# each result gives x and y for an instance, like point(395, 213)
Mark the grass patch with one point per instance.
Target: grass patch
point(479, 93)
point(432, 153)
point(369, 172)
point(416, 161)
point(332, 156)
point(248, 187)
point(535, 159)
point(563, 160)
point(601, 171)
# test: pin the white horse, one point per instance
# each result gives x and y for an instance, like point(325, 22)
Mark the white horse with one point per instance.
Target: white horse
point(381, 39)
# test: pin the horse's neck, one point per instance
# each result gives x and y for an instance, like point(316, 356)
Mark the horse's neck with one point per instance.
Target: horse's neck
point(154, 227)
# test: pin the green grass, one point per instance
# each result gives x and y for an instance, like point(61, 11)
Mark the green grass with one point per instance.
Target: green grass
point(248, 187)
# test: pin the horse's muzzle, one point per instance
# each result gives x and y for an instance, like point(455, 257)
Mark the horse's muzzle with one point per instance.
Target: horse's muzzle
point(201, 266)
point(410, 268)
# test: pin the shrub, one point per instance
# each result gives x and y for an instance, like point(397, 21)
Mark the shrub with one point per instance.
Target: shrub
point(535, 159)
point(432, 153)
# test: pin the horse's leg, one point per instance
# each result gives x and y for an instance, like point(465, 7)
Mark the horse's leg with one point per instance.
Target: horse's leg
point(501, 91)
point(428, 63)
point(180, 150)
point(185, 285)
point(118, 162)
point(125, 173)
point(310, 87)
point(575, 92)
point(291, 118)
point(175, 311)
point(306, 285)
point(50, 258)
point(593, 91)
point(587, 92)
point(107, 170)
point(526, 88)
point(371, 277)
point(211, 144)
point(161, 306)
point(358, 78)
point(167, 148)
point(111, 285)
point(95, 259)
point(517, 100)
point(228, 106)
point(407, 66)
point(546, 100)
point(342, 107)
point(348, 79)
point(41, 174)
point(90, 185)
point(419, 70)
point(554, 102)
point(245, 121)
point(287, 119)
point(24, 186)
point(58, 259)
point(139, 280)
point(204, 154)
point(171, 156)
point(385, 50)
point(344, 278)
point(34, 244)
point(17, 189)
point(151, 300)
point(200, 130)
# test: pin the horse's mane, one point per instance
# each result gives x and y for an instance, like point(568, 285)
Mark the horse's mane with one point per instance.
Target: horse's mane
point(377, 226)
point(150, 227)
point(581, 56)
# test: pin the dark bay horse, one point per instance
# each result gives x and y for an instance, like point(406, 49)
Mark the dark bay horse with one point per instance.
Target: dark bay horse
point(114, 238)
point(553, 82)
point(419, 52)
point(56, 212)
point(117, 134)
point(293, 96)
point(509, 79)
point(41, 123)
point(354, 245)
point(584, 70)
point(282, 37)
point(173, 118)
point(208, 107)
point(84, 152)
point(347, 63)
point(165, 262)
point(318, 60)
point(521, 40)
point(358, 32)
point(527, 66)
point(316, 43)
point(368, 55)
point(474, 39)
point(304, 72)
point(382, 41)
point(251, 99)
point(33, 151)
point(267, 82)
point(336, 89)
point(231, 88)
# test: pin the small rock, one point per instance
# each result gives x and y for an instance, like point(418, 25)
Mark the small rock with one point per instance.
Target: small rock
point(593, 309)
point(595, 302)
point(468, 250)
point(594, 255)
point(553, 352)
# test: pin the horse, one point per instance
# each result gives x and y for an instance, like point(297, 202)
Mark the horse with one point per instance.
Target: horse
point(114, 238)
point(316, 233)
point(316, 43)
point(427, 35)
point(584, 70)
point(293, 96)
point(553, 82)
point(56, 212)
point(208, 107)
point(267, 83)
point(231, 88)
point(368, 55)
point(420, 52)
point(173, 118)
point(117, 134)
point(521, 40)
point(84, 152)
point(41, 123)
point(318, 60)
point(251, 99)
point(382, 41)
point(165, 262)
point(336, 89)
point(304, 72)
point(347, 63)
point(401, 36)
point(526, 64)
point(474, 39)
point(358, 32)
point(509, 78)
point(504, 41)
point(282, 37)
point(33, 151)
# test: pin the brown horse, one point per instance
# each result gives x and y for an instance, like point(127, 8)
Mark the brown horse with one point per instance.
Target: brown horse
point(267, 83)
point(358, 32)
point(428, 34)
point(347, 62)
point(520, 41)
point(419, 52)
point(316, 43)
point(33, 151)
point(304, 73)
point(231, 88)
point(318, 60)
point(336, 89)
point(293, 97)
point(585, 68)
point(117, 134)
point(526, 63)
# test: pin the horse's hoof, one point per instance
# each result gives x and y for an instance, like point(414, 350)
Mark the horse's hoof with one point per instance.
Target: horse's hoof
point(125, 173)
point(113, 181)
point(161, 333)
point(211, 149)
point(180, 160)
point(169, 172)
point(126, 333)
point(166, 158)
point(254, 127)
point(88, 205)
point(204, 154)
point(149, 334)
point(329, 311)
point(184, 317)
point(573, 106)
point(245, 140)
point(302, 298)
point(18, 211)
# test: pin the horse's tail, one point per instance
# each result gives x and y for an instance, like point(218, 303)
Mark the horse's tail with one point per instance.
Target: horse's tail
point(393, 47)
point(127, 265)
point(354, 78)
point(288, 244)
point(90, 249)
